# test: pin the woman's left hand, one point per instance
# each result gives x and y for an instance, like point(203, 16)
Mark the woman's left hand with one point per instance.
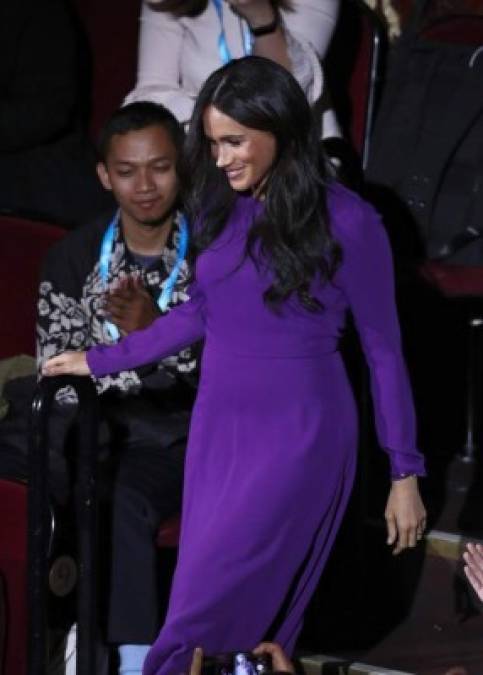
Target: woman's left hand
point(405, 514)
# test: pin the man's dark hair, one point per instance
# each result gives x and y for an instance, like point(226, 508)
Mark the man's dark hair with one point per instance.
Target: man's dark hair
point(137, 116)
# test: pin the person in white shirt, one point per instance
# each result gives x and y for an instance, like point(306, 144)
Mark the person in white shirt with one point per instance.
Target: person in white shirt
point(183, 41)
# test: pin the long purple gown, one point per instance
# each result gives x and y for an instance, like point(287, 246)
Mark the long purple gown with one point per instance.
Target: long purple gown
point(273, 436)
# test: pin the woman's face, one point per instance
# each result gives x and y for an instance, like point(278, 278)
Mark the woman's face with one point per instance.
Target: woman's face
point(245, 155)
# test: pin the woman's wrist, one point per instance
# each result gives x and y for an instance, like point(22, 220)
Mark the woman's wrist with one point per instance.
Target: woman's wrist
point(398, 477)
point(267, 28)
point(404, 464)
point(258, 16)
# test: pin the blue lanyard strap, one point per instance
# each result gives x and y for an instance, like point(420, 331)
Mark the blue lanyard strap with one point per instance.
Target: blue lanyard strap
point(107, 246)
point(224, 51)
point(170, 283)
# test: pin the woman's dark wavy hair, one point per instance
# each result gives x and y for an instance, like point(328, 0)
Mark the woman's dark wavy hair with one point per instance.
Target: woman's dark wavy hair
point(293, 233)
point(194, 8)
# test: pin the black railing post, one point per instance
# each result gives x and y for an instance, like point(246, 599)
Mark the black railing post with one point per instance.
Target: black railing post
point(39, 529)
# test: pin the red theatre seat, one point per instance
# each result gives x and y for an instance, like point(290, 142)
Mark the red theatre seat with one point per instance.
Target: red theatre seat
point(24, 244)
point(111, 28)
point(13, 574)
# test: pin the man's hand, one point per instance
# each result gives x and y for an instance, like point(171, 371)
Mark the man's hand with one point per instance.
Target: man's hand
point(129, 305)
point(405, 514)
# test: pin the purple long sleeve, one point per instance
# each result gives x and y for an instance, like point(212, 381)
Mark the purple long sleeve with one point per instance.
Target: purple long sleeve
point(183, 326)
point(367, 279)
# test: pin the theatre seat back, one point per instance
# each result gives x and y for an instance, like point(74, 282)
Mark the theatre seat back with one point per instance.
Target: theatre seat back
point(110, 28)
point(24, 244)
point(13, 574)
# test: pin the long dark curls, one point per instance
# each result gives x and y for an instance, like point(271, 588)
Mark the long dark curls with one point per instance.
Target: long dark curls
point(194, 8)
point(292, 235)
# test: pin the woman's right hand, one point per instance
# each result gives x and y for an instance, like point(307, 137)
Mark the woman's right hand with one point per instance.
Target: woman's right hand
point(68, 363)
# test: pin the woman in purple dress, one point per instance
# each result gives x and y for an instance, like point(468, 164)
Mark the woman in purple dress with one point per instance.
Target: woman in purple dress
point(281, 253)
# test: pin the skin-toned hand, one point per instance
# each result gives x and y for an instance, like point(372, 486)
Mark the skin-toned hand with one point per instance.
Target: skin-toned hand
point(68, 363)
point(473, 557)
point(405, 515)
point(256, 12)
point(280, 661)
point(196, 662)
point(129, 305)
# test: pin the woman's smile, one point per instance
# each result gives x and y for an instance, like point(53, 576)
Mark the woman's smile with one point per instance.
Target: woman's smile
point(246, 155)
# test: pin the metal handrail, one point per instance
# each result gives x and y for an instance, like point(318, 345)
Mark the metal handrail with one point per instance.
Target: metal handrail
point(86, 428)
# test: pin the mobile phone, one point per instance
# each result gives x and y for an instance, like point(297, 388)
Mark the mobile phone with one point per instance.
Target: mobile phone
point(237, 663)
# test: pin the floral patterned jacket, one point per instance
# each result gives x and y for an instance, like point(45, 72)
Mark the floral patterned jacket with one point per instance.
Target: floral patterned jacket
point(71, 292)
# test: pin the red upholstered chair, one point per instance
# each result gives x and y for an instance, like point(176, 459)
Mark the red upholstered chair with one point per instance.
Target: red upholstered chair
point(24, 244)
point(111, 28)
point(13, 573)
point(168, 533)
point(455, 281)
point(3, 626)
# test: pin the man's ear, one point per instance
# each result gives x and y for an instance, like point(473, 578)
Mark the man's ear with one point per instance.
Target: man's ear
point(103, 175)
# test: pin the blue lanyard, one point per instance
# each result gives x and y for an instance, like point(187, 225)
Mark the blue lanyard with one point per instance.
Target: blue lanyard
point(225, 54)
point(165, 295)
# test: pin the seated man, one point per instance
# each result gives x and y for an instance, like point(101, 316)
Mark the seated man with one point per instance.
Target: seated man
point(102, 281)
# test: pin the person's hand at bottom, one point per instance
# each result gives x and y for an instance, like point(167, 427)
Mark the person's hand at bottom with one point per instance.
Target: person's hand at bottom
point(196, 662)
point(405, 515)
point(280, 661)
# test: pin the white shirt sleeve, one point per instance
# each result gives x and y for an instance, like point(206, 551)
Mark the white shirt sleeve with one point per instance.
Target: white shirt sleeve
point(160, 47)
point(309, 28)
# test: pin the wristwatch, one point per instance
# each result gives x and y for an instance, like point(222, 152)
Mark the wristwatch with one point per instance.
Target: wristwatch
point(267, 28)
